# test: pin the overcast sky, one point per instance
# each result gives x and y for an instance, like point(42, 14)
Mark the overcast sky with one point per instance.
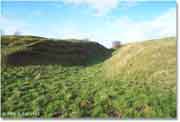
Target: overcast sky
point(99, 20)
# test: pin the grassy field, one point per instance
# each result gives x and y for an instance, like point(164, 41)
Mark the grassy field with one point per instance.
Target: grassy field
point(137, 81)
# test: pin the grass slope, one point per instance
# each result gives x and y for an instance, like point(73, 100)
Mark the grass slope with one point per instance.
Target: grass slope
point(31, 50)
point(148, 70)
point(151, 60)
point(138, 81)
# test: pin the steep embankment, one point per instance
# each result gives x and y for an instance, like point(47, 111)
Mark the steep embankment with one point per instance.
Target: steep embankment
point(153, 60)
point(31, 50)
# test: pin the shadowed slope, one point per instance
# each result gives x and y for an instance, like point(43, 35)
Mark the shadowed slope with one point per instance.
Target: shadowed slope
point(42, 51)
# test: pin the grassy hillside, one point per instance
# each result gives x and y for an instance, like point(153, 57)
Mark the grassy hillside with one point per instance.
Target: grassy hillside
point(152, 60)
point(148, 70)
point(138, 81)
point(31, 50)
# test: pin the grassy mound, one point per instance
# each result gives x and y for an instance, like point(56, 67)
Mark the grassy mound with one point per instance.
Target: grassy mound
point(138, 81)
point(30, 50)
point(150, 60)
point(148, 72)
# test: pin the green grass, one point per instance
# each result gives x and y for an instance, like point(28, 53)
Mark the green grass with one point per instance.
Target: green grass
point(138, 81)
point(28, 50)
